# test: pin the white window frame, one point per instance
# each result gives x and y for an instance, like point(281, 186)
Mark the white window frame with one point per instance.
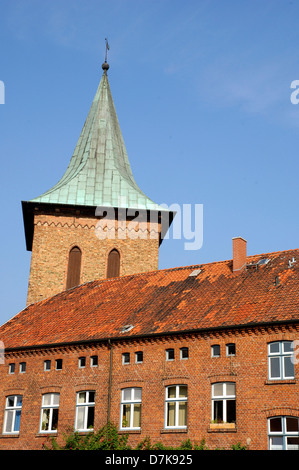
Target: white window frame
point(12, 409)
point(94, 359)
point(138, 361)
point(225, 397)
point(176, 400)
point(183, 349)
point(46, 363)
point(12, 368)
point(51, 407)
point(86, 404)
point(22, 367)
point(126, 356)
point(281, 355)
point(282, 435)
point(82, 362)
point(213, 350)
point(168, 354)
point(227, 349)
point(132, 401)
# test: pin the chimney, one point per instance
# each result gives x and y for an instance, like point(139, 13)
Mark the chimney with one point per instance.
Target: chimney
point(239, 254)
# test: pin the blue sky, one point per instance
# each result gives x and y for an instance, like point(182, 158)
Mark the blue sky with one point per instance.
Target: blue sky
point(202, 92)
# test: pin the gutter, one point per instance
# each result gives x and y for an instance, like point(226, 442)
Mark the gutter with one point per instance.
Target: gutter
point(110, 380)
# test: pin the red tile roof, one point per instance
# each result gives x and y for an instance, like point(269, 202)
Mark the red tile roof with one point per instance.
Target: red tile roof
point(161, 302)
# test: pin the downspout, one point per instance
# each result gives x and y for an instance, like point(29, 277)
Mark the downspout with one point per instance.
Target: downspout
point(110, 380)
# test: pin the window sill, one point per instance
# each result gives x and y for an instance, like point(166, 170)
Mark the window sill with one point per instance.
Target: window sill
point(280, 381)
point(129, 431)
point(9, 435)
point(222, 427)
point(173, 430)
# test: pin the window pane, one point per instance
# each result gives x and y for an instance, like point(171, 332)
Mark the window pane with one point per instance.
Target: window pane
point(275, 425)
point(17, 420)
point(126, 416)
point(91, 397)
point(19, 400)
point(9, 418)
point(231, 389)
point(182, 414)
point(231, 411)
point(82, 397)
point(10, 401)
point(54, 419)
point(171, 392)
point(292, 424)
point(218, 410)
point(137, 394)
point(218, 390)
point(274, 348)
point(293, 443)
point(45, 419)
point(137, 416)
point(47, 399)
point(274, 367)
point(183, 391)
point(288, 367)
point(170, 414)
point(127, 394)
point(90, 417)
point(231, 349)
point(55, 398)
point(80, 418)
point(287, 346)
point(276, 443)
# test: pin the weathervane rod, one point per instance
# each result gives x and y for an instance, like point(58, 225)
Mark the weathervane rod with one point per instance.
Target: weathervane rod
point(107, 49)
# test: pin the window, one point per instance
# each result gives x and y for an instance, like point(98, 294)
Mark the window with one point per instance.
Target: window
point(215, 350)
point(231, 349)
point(176, 406)
point(169, 354)
point(49, 412)
point(74, 268)
point(11, 368)
point(12, 416)
point(113, 266)
point(126, 358)
point(85, 411)
point(82, 362)
point(47, 365)
point(22, 367)
point(139, 356)
point(224, 402)
point(94, 361)
point(184, 353)
point(283, 433)
point(130, 408)
point(58, 363)
point(281, 360)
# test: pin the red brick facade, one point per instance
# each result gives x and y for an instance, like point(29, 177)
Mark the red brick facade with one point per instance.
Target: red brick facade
point(257, 398)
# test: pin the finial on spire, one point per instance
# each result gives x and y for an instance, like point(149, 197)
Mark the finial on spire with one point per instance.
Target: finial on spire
point(105, 65)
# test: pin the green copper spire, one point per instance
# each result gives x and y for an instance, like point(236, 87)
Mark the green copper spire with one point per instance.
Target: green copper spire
point(99, 172)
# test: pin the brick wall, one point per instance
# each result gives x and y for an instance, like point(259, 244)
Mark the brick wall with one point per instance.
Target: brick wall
point(257, 398)
point(56, 234)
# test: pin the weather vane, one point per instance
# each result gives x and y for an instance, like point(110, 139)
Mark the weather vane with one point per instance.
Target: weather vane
point(107, 49)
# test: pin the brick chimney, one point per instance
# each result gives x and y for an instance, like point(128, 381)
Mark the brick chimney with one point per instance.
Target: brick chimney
point(239, 254)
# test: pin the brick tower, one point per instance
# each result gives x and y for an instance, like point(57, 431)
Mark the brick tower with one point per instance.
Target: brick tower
point(95, 222)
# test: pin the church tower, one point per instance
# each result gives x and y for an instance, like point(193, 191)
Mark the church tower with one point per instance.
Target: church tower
point(95, 222)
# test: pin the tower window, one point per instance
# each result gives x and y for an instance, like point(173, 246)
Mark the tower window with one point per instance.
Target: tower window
point(113, 266)
point(74, 268)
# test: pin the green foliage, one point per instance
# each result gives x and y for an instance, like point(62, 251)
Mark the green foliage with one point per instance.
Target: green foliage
point(108, 438)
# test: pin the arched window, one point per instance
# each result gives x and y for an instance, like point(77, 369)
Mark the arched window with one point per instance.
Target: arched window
point(113, 263)
point(74, 268)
